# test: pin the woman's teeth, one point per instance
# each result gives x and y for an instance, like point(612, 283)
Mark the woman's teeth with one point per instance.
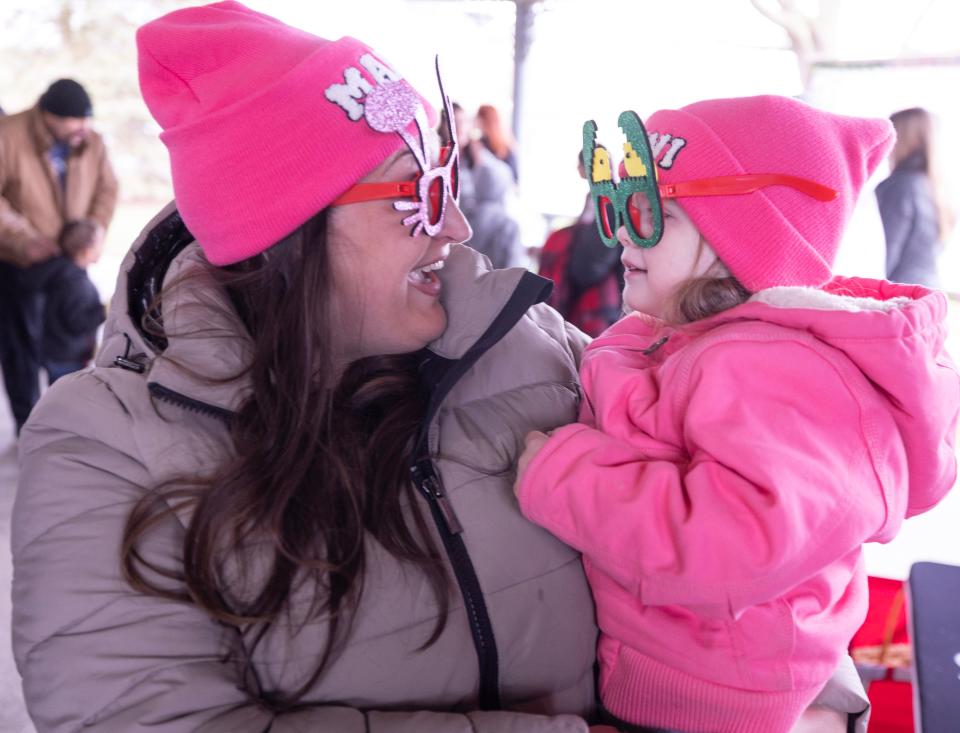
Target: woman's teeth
point(424, 274)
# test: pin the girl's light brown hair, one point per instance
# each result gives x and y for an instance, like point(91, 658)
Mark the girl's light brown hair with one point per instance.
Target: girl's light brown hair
point(701, 297)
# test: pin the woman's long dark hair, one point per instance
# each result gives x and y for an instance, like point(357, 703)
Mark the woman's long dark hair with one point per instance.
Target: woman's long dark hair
point(320, 464)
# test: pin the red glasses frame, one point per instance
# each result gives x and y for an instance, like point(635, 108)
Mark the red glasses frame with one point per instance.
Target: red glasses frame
point(406, 189)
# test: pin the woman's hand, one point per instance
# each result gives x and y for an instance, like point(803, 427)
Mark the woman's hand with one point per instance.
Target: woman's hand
point(535, 440)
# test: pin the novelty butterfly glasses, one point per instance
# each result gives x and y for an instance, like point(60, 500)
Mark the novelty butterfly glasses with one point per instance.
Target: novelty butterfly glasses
point(391, 108)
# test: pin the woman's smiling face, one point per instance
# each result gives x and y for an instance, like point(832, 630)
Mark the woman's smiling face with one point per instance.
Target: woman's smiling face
point(386, 293)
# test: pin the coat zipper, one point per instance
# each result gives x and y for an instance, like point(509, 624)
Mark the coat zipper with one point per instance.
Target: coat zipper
point(187, 403)
point(530, 290)
point(451, 532)
point(429, 484)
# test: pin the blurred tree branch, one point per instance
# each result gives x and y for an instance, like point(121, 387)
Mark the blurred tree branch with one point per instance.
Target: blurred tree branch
point(811, 36)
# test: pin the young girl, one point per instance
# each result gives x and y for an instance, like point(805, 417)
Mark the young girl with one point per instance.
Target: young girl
point(749, 425)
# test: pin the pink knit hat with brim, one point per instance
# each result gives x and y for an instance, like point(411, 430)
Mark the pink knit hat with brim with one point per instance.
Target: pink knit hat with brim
point(776, 235)
point(264, 123)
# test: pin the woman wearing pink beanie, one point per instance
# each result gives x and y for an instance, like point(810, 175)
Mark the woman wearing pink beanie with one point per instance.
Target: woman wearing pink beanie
point(749, 425)
point(282, 498)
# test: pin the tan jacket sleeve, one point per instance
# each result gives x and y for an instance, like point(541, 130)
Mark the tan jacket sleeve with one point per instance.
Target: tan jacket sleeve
point(570, 338)
point(104, 201)
point(97, 656)
point(15, 229)
point(577, 341)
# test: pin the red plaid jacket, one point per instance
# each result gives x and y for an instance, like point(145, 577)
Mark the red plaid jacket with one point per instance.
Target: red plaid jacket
point(594, 309)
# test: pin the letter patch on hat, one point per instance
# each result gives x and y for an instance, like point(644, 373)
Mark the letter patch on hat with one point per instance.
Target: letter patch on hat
point(356, 87)
point(659, 141)
point(379, 70)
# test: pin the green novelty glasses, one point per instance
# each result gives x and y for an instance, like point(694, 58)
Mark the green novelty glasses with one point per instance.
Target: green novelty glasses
point(634, 199)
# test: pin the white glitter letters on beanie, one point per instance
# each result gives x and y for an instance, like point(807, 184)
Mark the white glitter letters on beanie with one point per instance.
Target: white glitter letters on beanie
point(390, 107)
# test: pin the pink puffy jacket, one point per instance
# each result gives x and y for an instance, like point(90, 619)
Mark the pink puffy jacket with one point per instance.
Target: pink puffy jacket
point(722, 481)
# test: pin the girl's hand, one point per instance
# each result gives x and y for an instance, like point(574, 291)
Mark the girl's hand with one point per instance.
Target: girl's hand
point(535, 440)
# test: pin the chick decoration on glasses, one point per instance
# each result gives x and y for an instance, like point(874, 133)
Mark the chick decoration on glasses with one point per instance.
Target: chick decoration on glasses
point(637, 176)
point(601, 170)
point(632, 163)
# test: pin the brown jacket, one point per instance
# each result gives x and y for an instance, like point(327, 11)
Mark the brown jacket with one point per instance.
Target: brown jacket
point(31, 200)
point(97, 656)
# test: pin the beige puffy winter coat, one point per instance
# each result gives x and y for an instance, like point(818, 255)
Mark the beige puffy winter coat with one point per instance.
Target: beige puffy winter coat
point(97, 656)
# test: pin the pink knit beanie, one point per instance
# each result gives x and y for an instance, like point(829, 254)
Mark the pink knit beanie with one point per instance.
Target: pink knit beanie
point(264, 123)
point(777, 235)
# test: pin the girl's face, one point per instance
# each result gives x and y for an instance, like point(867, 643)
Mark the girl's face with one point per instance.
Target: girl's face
point(386, 293)
point(652, 276)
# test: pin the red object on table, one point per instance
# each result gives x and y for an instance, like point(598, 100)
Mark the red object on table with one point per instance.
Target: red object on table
point(891, 695)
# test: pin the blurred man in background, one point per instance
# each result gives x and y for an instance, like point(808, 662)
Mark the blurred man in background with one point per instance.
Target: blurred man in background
point(54, 169)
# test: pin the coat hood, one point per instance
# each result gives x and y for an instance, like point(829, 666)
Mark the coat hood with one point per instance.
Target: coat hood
point(895, 334)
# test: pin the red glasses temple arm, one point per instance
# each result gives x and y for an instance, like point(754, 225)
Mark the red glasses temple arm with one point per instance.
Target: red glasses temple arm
point(377, 191)
point(747, 183)
point(386, 190)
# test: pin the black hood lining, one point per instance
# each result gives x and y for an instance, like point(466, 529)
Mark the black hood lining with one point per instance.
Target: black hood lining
point(145, 278)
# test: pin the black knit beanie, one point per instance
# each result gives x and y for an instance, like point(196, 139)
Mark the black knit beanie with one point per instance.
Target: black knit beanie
point(66, 98)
